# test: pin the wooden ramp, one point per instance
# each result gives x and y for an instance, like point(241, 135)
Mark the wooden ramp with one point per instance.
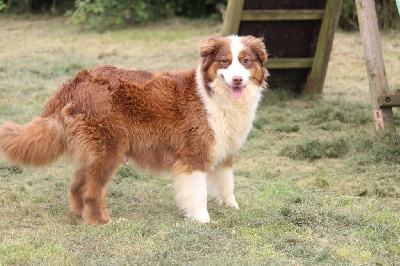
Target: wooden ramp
point(298, 35)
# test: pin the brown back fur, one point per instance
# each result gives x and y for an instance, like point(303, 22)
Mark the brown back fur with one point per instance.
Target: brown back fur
point(146, 115)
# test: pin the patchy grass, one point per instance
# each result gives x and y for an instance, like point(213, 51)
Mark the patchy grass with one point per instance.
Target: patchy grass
point(314, 149)
point(314, 183)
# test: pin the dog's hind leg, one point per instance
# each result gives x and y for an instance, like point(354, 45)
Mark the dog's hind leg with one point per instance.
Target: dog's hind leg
point(76, 192)
point(89, 189)
point(97, 158)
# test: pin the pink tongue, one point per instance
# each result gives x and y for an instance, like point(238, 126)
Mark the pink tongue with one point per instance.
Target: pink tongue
point(236, 92)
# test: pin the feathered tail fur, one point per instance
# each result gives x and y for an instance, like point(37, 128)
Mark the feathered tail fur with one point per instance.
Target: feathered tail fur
point(36, 144)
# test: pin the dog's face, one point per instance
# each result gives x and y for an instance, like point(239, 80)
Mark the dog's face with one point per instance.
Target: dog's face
point(237, 60)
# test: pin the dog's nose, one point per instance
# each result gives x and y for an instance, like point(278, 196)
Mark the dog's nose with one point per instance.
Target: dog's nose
point(237, 80)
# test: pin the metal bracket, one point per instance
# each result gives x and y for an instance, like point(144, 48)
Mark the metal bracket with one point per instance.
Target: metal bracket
point(389, 100)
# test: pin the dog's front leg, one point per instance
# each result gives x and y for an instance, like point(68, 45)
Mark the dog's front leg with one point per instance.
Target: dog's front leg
point(221, 184)
point(191, 195)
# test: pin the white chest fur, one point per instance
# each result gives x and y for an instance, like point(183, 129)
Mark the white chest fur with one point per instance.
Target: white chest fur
point(230, 119)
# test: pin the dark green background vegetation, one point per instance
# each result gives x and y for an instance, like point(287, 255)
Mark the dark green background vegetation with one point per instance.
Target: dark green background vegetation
point(387, 13)
point(103, 14)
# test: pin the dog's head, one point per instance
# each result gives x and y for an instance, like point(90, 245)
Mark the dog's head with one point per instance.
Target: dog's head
point(236, 60)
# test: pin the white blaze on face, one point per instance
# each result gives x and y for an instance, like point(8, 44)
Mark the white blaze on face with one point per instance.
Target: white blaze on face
point(236, 75)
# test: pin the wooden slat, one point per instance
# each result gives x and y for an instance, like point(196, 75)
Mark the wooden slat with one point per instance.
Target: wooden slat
point(316, 79)
point(286, 63)
point(389, 100)
point(275, 15)
point(232, 17)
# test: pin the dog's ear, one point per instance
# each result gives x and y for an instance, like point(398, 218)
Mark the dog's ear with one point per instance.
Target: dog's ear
point(257, 46)
point(209, 46)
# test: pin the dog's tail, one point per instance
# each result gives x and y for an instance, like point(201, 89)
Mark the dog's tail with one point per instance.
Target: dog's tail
point(38, 143)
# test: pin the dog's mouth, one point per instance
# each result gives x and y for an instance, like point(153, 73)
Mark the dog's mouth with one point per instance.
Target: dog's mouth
point(237, 92)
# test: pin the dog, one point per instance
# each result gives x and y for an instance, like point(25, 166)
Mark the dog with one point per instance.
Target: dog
point(188, 122)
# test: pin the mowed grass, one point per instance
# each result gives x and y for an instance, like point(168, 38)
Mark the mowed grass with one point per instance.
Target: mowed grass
point(314, 184)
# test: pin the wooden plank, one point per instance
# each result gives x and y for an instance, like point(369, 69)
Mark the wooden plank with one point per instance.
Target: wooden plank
point(389, 100)
point(275, 15)
point(286, 63)
point(232, 16)
point(316, 79)
point(378, 84)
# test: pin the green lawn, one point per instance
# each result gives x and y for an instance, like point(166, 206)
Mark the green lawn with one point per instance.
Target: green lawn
point(313, 184)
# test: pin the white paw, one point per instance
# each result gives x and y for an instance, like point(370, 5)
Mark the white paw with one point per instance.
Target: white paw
point(231, 202)
point(202, 217)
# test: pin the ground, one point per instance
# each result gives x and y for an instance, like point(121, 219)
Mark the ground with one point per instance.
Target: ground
point(313, 183)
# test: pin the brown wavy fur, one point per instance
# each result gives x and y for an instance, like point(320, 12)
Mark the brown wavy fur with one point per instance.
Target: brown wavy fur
point(104, 114)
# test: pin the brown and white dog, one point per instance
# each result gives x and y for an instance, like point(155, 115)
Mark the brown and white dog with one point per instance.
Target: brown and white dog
point(189, 122)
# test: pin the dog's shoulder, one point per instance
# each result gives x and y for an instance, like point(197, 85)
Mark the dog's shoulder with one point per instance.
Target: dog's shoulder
point(114, 76)
point(183, 79)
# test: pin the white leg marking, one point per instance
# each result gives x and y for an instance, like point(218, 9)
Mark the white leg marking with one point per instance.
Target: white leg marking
point(191, 195)
point(221, 185)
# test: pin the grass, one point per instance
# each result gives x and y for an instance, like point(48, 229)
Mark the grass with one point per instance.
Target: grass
point(314, 183)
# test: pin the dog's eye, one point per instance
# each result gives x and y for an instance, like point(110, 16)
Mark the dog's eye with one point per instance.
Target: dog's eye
point(224, 62)
point(246, 61)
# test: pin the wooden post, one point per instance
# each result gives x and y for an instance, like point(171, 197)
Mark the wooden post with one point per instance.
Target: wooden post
point(232, 17)
point(316, 79)
point(378, 85)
